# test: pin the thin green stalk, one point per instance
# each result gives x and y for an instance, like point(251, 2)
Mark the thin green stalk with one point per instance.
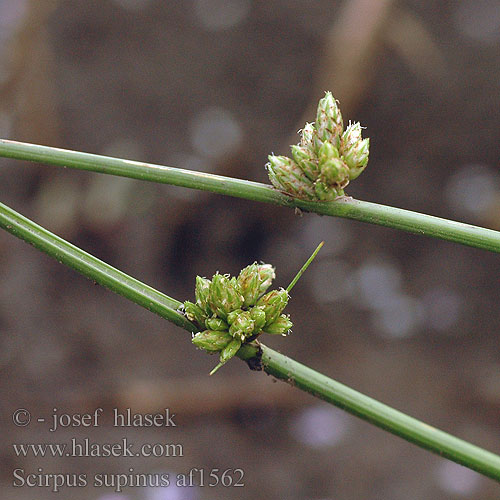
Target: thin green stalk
point(348, 208)
point(92, 267)
point(272, 362)
point(304, 267)
point(379, 414)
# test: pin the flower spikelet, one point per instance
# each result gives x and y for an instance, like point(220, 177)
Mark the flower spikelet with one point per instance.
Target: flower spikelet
point(326, 159)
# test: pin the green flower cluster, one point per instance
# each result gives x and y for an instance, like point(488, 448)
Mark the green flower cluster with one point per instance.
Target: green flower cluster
point(231, 311)
point(325, 160)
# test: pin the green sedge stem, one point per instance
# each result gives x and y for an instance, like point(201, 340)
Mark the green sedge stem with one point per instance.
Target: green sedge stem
point(93, 268)
point(372, 213)
point(379, 414)
point(274, 363)
point(304, 267)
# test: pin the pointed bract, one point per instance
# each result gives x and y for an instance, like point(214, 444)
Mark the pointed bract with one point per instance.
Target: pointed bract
point(227, 353)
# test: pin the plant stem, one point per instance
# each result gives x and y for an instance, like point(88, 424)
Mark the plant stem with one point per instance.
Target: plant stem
point(349, 208)
point(92, 267)
point(379, 414)
point(274, 363)
point(304, 267)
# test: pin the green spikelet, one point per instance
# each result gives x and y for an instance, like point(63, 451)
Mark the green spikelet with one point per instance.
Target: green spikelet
point(224, 296)
point(281, 326)
point(286, 176)
point(212, 341)
point(273, 303)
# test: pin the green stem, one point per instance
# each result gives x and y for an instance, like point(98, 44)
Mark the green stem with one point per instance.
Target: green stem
point(349, 208)
point(92, 267)
point(273, 362)
point(304, 267)
point(379, 414)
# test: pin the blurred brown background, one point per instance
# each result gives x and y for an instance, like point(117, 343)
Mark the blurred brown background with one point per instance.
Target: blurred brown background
point(216, 86)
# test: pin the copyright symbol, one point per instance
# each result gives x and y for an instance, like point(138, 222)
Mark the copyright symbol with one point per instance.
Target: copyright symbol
point(21, 417)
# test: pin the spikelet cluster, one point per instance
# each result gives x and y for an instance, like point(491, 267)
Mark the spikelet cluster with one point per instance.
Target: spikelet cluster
point(326, 159)
point(230, 311)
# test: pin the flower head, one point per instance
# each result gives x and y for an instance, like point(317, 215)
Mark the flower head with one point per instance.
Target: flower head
point(232, 311)
point(326, 159)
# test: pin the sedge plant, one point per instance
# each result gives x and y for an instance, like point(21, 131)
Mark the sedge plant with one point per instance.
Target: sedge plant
point(233, 310)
